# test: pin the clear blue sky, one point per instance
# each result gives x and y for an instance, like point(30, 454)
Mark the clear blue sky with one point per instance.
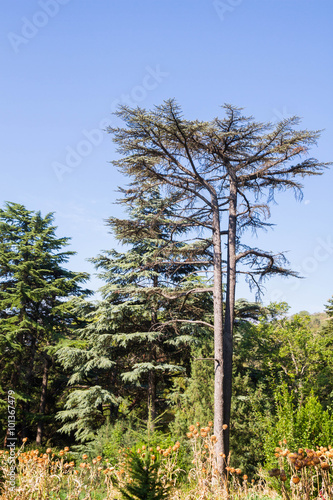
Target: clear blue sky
point(66, 63)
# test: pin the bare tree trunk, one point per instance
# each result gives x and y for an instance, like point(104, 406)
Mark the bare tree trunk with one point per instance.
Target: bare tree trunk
point(42, 404)
point(218, 339)
point(152, 399)
point(151, 374)
point(229, 314)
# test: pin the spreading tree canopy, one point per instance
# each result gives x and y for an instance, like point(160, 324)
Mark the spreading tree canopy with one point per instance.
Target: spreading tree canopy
point(221, 169)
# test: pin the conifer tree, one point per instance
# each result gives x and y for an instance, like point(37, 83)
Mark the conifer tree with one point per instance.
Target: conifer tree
point(138, 336)
point(35, 314)
point(146, 481)
point(219, 168)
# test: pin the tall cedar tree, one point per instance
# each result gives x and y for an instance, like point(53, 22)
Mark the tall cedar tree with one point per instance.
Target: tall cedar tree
point(136, 340)
point(219, 166)
point(34, 312)
point(162, 286)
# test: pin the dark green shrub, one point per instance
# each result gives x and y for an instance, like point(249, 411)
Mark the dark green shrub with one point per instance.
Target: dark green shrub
point(146, 482)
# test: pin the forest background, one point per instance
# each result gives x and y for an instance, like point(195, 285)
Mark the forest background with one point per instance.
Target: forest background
point(61, 166)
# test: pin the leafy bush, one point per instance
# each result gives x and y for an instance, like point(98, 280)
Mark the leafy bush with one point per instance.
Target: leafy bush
point(120, 438)
point(297, 425)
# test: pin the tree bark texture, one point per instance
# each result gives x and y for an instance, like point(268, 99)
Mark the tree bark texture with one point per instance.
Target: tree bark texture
point(152, 399)
point(218, 339)
point(152, 374)
point(229, 313)
point(42, 404)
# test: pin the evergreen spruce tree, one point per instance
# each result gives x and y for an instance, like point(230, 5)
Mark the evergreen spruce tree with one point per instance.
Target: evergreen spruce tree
point(145, 479)
point(34, 313)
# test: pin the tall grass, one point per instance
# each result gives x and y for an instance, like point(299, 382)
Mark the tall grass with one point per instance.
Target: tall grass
point(304, 474)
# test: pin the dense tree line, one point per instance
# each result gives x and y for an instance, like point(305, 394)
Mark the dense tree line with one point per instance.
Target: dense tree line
point(35, 315)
